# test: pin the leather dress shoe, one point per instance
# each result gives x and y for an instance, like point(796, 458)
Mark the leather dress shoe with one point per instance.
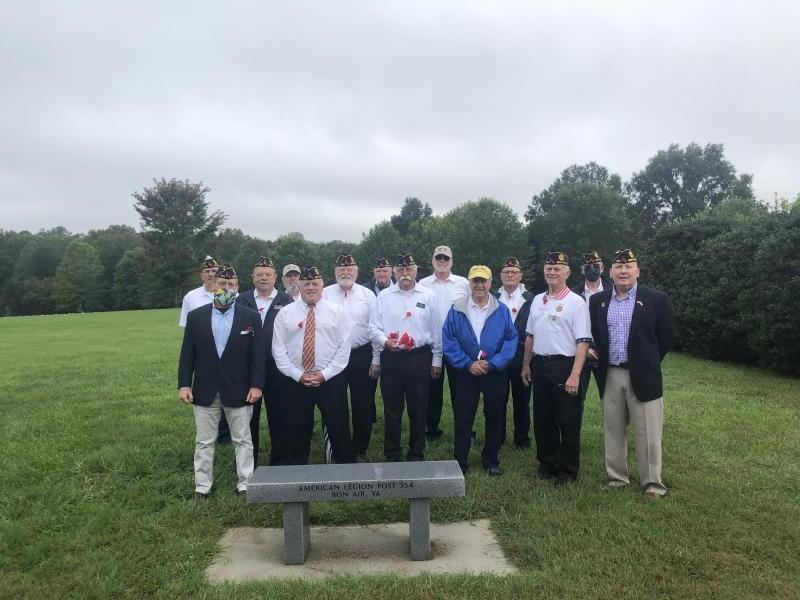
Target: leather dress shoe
point(240, 492)
point(199, 497)
point(494, 471)
point(653, 497)
point(523, 445)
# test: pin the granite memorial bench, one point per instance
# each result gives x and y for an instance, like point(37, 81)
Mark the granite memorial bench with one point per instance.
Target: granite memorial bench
point(295, 486)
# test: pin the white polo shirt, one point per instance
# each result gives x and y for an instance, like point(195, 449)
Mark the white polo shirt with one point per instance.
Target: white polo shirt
point(557, 323)
point(195, 299)
point(477, 315)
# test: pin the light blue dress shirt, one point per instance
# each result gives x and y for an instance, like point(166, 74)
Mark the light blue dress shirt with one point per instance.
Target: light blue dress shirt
point(221, 324)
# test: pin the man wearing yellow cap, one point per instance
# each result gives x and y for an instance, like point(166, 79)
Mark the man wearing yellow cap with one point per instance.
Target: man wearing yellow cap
point(479, 340)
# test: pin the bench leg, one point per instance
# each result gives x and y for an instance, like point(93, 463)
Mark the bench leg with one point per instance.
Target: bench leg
point(296, 532)
point(420, 528)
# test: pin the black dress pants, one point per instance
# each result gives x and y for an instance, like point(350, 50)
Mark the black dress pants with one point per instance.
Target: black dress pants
point(556, 418)
point(361, 396)
point(469, 389)
point(436, 396)
point(332, 403)
point(586, 375)
point(521, 406)
point(276, 402)
point(404, 381)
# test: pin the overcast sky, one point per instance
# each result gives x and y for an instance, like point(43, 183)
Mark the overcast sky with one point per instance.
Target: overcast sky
point(321, 117)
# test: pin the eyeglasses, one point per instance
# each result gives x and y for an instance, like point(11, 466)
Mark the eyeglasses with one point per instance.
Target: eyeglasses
point(441, 257)
point(510, 272)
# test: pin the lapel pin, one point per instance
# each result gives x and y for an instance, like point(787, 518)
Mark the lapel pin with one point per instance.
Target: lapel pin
point(639, 302)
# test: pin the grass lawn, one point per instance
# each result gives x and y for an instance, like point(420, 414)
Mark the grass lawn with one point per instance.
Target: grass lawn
point(96, 473)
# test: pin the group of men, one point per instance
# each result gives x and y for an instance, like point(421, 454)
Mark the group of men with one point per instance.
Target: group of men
point(326, 347)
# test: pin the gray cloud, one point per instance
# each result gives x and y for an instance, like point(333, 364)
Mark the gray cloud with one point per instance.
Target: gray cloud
point(332, 113)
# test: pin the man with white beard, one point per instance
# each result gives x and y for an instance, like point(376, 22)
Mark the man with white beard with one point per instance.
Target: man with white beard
point(358, 303)
point(407, 325)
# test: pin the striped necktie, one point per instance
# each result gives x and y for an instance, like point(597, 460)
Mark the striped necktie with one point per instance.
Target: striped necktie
point(309, 340)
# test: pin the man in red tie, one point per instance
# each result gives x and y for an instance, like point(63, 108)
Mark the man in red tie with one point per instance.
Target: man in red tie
point(311, 348)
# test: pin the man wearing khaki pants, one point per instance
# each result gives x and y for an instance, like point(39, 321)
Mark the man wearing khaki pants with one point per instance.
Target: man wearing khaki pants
point(633, 329)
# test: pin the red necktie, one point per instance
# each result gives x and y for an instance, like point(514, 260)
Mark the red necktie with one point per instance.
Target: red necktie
point(309, 340)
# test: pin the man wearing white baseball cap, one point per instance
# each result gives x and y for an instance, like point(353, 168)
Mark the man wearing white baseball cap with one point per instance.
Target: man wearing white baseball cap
point(291, 281)
point(447, 288)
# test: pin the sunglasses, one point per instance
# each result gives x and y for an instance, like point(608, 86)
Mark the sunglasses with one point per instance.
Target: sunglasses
point(441, 257)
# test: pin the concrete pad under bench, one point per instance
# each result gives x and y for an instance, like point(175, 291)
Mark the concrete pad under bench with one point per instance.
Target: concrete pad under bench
point(250, 553)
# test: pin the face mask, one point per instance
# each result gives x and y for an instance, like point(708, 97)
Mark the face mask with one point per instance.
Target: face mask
point(224, 298)
point(592, 274)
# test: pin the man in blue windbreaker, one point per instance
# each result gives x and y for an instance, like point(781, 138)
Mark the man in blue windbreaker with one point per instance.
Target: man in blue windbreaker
point(479, 339)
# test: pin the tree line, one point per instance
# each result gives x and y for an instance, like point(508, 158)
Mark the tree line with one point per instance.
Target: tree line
point(731, 263)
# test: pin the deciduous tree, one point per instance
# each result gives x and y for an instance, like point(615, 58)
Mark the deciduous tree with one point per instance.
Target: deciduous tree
point(177, 227)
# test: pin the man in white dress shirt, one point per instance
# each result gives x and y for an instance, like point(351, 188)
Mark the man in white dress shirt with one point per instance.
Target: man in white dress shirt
point(518, 300)
point(406, 323)
point(381, 276)
point(311, 347)
point(447, 288)
point(266, 300)
point(559, 333)
point(593, 283)
point(358, 303)
point(205, 293)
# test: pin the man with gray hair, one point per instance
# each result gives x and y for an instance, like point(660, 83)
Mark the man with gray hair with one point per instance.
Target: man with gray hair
point(406, 323)
point(291, 281)
point(448, 288)
point(358, 304)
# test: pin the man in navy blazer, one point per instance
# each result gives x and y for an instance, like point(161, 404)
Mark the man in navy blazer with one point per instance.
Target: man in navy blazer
point(266, 300)
point(633, 329)
point(221, 369)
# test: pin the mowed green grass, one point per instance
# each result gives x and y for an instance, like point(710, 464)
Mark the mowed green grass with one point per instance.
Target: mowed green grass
point(96, 475)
